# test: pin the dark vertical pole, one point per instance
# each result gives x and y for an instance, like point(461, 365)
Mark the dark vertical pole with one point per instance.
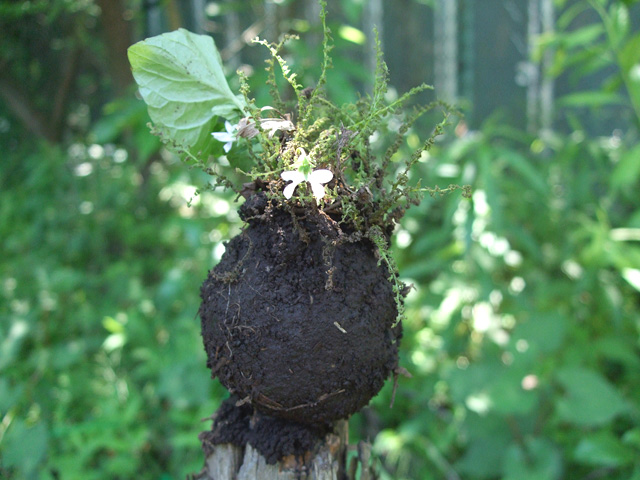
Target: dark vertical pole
point(117, 35)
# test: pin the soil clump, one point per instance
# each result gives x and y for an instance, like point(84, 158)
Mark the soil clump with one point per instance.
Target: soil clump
point(274, 438)
point(298, 321)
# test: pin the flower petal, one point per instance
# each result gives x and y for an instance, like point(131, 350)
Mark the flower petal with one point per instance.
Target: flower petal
point(318, 190)
point(223, 136)
point(320, 176)
point(295, 177)
point(289, 189)
point(227, 147)
point(274, 124)
point(292, 175)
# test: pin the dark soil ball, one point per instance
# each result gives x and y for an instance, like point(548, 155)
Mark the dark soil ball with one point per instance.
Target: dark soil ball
point(299, 327)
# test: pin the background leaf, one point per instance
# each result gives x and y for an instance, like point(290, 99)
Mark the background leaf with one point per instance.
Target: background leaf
point(605, 450)
point(589, 399)
point(535, 459)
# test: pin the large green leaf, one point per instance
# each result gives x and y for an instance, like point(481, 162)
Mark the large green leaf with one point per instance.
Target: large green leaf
point(507, 395)
point(605, 450)
point(536, 459)
point(483, 456)
point(589, 399)
point(543, 332)
point(181, 79)
point(25, 448)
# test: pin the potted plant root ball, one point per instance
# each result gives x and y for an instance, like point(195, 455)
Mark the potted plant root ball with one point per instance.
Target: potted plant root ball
point(302, 317)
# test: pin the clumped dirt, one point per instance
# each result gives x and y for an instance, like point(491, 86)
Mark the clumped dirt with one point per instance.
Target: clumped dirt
point(273, 437)
point(297, 322)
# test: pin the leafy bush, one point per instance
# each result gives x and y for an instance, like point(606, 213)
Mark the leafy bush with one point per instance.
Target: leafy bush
point(103, 372)
point(524, 342)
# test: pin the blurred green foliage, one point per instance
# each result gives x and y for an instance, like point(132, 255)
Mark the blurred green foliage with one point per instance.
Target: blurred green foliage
point(523, 327)
point(102, 371)
point(523, 332)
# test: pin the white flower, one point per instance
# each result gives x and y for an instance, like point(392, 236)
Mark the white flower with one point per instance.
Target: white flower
point(316, 179)
point(228, 137)
point(247, 128)
point(272, 125)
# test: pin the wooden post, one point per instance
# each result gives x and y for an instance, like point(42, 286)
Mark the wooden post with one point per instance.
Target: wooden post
point(329, 462)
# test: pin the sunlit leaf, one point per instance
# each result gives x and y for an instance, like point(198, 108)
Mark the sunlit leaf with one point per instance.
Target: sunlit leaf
point(181, 78)
point(594, 98)
point(626, 173)
point(632, 275)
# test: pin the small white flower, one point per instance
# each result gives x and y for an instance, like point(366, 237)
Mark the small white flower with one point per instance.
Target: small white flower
point(247, 128)
point(316, 179)
point(228, 137)
point(272, 125)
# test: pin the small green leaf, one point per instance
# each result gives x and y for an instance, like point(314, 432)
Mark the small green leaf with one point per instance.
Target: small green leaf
point(352, 34)
point(181, 78)
point(112, 325)
point(627, 171)
point(582, 37)
point(591, 99)
point(629, 54)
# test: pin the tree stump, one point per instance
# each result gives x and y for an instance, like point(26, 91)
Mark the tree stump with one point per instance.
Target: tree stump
point(327, 462)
